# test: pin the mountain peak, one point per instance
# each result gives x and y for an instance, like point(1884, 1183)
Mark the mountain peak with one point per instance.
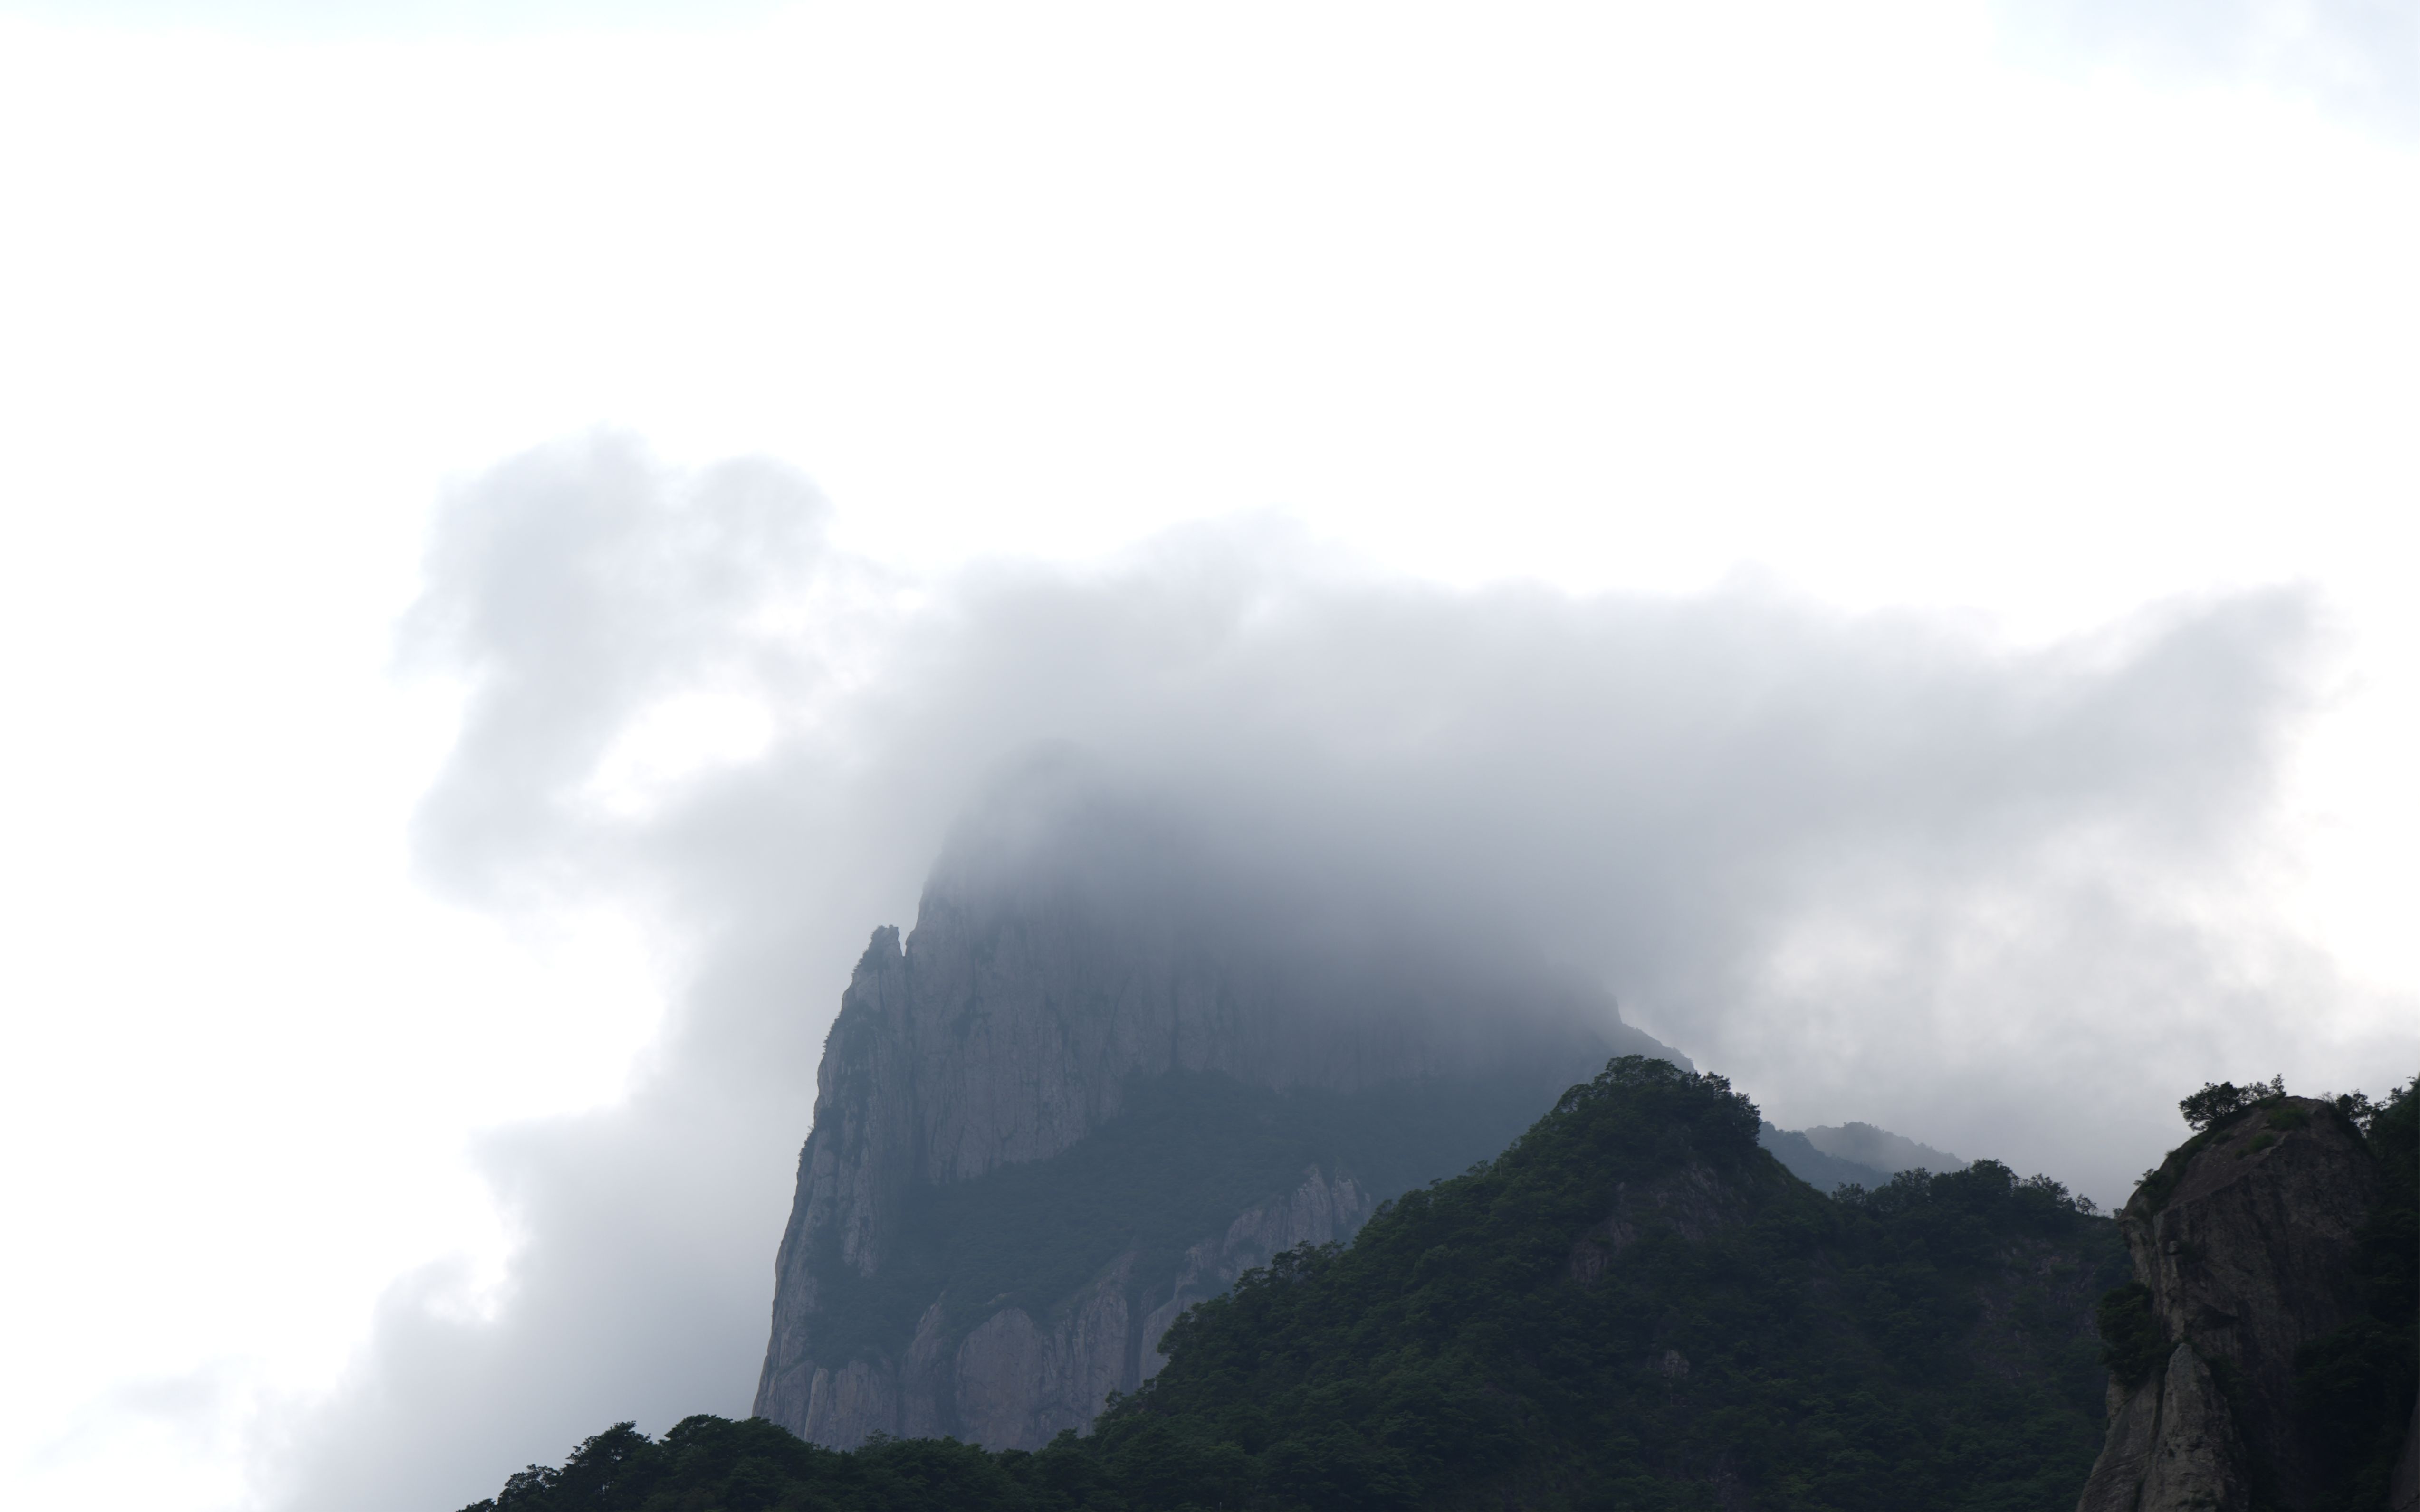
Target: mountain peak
point(1078, 1098)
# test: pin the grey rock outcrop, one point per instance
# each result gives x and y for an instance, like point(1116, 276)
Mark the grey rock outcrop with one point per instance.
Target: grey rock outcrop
point(1319, 1212)
point(2172, 1444)
point(2245, 1239)
point(1012, 1024)
point(1018, 1382)
point(2125, 1463)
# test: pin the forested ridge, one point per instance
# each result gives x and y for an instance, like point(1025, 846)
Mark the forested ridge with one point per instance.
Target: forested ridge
point(1632, 1305)
point(1726, 1331)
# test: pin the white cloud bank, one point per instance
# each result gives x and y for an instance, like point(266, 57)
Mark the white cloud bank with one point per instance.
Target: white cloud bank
point(1871, 866)
point(2034, 312)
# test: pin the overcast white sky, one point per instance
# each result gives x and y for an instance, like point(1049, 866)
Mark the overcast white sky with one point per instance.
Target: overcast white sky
point(2003, 326)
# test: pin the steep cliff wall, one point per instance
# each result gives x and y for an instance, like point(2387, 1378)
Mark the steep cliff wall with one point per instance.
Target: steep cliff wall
point(2243, 1248)
point(1044, 1126)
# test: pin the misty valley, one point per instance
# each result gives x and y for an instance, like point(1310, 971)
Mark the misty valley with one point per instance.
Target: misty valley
point(1139, 1186)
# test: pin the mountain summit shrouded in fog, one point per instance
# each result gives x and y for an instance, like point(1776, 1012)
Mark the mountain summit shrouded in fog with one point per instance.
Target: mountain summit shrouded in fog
point(1108, 1072)
point(1874, 866)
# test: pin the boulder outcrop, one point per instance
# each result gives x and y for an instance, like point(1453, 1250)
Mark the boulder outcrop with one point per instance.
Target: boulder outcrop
point(2243, 1242)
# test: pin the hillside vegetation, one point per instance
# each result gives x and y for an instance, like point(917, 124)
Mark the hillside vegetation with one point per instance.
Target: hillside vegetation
point(1633, 1306)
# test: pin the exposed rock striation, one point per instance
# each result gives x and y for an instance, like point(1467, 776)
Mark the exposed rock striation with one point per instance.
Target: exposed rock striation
point(2244, 1241)
point(1319, 1212)
point(1050, 1120)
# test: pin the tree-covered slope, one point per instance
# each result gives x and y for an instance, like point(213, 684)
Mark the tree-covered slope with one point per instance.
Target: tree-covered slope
point(1633, 1306)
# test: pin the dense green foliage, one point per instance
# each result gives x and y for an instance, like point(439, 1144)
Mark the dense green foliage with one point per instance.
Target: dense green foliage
point(2218, 1102)
point(2132, 1340)
point(1926, 1343)
point(2213, 1112)
point(713, 1464)
point(2354, 1388)
point(1632, 1306)
point(1190, 1151)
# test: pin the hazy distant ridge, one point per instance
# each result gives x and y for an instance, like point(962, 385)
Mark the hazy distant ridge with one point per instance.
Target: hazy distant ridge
point(1825, 1173)
point(1879, 1149)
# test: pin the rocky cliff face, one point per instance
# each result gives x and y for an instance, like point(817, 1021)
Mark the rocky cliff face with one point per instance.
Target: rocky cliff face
point(2244, 1245)
point(1043, 1126)
point(1319, 1212)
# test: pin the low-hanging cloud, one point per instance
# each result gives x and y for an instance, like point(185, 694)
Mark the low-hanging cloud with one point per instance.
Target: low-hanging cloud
point(1871, 866)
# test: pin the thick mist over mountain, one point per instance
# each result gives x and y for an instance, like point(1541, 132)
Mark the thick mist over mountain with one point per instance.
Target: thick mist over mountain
point(1872, 868)
point(1114, 1066)
point(1337, 933)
